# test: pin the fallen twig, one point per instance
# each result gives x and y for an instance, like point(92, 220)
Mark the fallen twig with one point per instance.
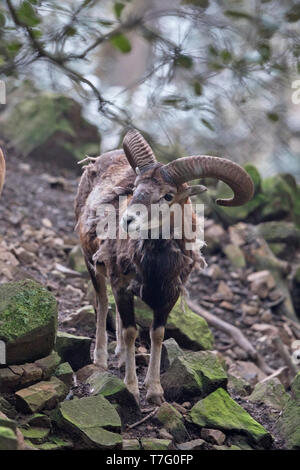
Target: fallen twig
point(282, 350)
point(234, 332)
point(134, 425)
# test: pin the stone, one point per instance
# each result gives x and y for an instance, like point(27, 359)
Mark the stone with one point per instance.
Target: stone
point(288, 424)
point(76, 260)
point(7, 422)
point(172, 421)
point(264, 276)
point(235, 256)
point(213, 238)
point(48, 364)
point(39, 420)
point(55, 443)
point(214, 436)
point(218, 410)
point(73, 349)
point(195, 374)
point(280, 231)
point(188, 329)
point(238, 386)
point(116, 392)
point(149, 443)
point(131, 444)
point(36, 435)
point(40, 396)
point(85, 372)
point(195, 444)
point(224, 292)
point(8, 439)
point(28, 321)
point(170, 350)
point(271, 392)
point(7, 408)
point(249, 309)
point(9, 381)
point(50, 127)
point(248, 371)
point(14, 377)
point(93, 420)
point(83, 319)
point(64, 372)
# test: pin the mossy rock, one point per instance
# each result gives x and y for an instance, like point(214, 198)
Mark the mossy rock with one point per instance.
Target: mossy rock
point(280, 232)
point(195, 374)
point(74, 349)
point(270, 392)
point(93, 420)
point(48, 364)
point(8, 439)
point(172, 421)
point(170, 350)
point(219, 411)
point(116, 392)
point(188, 329)
point(64, 372)
point(7, 408)
point(50, 127)
point(28, 321)
point(289, 422)
point(131, 444)
point(54, 443)
point(149, 443)
point(36, 435)
point(7, 422)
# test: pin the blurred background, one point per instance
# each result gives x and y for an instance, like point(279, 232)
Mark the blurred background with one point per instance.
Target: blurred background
point(196, 76)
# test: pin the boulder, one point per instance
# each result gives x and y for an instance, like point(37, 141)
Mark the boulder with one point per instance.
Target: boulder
point(14, 377)
point(50, 127)
point(116, 392)
point(48, 364)
point(280, 232)
point(271, 392)
point(83, 319)
point(8, 439)
point(288, 424)
point(186, 327)
point(219, 411)
point(93, 420)
point(170, 350)
point(149, 443)
point(64, 372)
point(40, 396)
point(28, 321)
point(35, 435)
point(74, 349)
point(195, 374)
point(172, 421)
point(238, 386)
point(214, 436)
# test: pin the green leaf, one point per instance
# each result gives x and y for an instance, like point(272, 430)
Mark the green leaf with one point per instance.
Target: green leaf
point(118, 8)
point(27, 15)
point(120, 41)
point(207, 124)
point(239, 15)
point(13, 47)
point(293, 14)
point(184, 61)
point(2, 20)
point(197, 3)
point(197, 88)
point(273, 116)
point(225, 55)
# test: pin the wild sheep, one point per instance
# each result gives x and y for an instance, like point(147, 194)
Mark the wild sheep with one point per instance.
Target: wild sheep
point(2, 171)
point(153, 269)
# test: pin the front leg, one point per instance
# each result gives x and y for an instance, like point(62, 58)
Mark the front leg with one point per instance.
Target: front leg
point(155, 393)
point(120, 348)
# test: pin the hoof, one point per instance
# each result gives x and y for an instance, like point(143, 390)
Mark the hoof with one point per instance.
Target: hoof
point(155, 395)
point(100, 360)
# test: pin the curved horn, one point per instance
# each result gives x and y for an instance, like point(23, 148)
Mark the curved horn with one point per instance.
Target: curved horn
point(204, 166)
point(138, 152)
point(2, 170)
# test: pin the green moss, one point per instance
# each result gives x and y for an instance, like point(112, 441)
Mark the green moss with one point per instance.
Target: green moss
point(218, 410)
point(255, 176)
point(24, 306)
point(36, 435)
point(155, 444)
point(8, 439)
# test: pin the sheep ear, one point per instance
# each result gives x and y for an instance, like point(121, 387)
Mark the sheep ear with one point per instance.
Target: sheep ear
point(192, 191)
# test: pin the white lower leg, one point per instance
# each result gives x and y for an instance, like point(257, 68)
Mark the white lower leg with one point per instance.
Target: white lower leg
point(100, 352)
point(129, 336)
point(120, 348)
point(154, 389)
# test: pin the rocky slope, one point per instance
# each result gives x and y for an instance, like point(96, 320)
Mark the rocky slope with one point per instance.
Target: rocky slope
point(226, 388)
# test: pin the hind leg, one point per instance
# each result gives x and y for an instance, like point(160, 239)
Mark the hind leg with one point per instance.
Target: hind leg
point(99, 283)
point(120, 348)
point(124, 301)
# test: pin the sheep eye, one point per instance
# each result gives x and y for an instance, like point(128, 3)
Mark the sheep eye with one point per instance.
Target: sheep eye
point(168, 197)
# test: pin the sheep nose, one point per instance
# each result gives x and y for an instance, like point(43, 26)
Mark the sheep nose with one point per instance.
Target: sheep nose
point(129, 219)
